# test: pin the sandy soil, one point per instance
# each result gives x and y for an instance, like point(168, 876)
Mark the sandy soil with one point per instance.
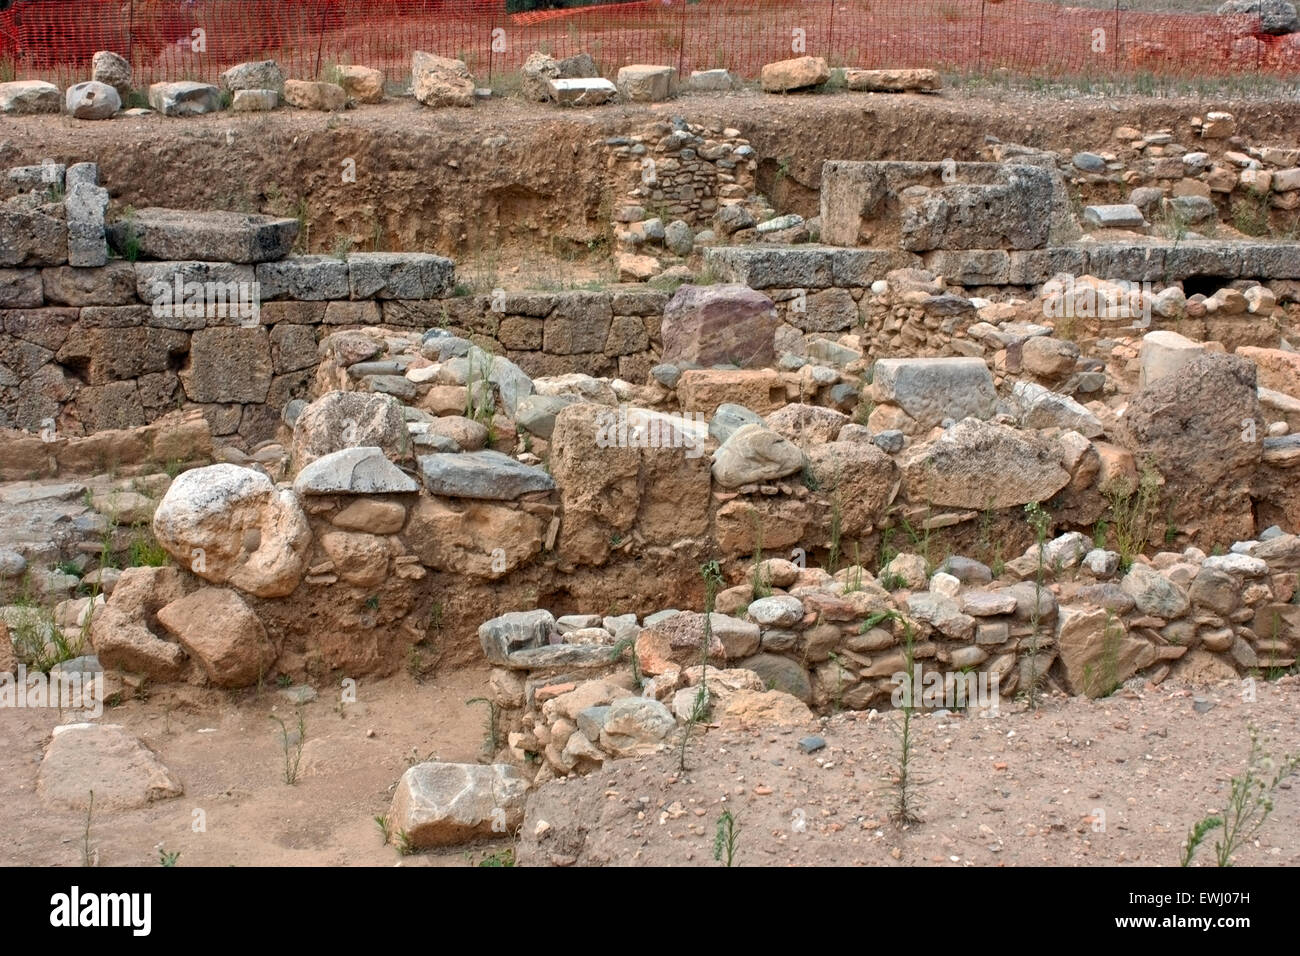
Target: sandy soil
point(1024, 788)
point(228, 754)
point(1076, 783)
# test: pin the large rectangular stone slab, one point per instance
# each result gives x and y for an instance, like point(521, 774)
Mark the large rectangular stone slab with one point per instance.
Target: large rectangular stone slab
point(1036, 266)
point(945, 205)
point(772, 267)
point(933, 389)
point(178, 234)
point(31, 237)
point(86, 205)
point(400, 275)
point(306, 278)
point(485, 475)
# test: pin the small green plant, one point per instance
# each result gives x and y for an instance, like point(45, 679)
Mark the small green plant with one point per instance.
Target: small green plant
point(167, 859)
point(89, 857)
point(905, 811)
point(405, 845)
point(711, 572)
point(628, 644)
point(1250, 803)
point(130, 237)
point(292, 742)
point(492, 731)
point(1039, 520)
point(342, 248)
point(837, 523)
point(385, 828)
point(372, 602)
point(478, 402)
point(726, 839)
point(1132, 513)
point(502, 857)
point(143, 551)
point(854, 581)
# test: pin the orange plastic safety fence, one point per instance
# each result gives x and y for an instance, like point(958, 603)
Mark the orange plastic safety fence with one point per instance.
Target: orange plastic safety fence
point(198, 39)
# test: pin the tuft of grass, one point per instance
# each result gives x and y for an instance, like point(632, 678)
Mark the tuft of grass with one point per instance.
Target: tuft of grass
point(726, 839)
point(292, 743)
point(492, 728)
point(385, 828)
point(89, 857)
point(711, 572)
point(144, 551)
point(761, 587)
point(167, 859)
point(1132, 514)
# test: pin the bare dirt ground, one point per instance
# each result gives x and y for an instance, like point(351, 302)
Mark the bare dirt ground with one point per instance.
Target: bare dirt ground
point(1025, 788)
point(1076, 783)
point(227, 752)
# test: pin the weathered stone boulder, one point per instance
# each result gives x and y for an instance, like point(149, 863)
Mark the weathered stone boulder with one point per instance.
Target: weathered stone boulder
point(354, 471)
point(108, 67)
point(861, 478)
point(27, 97)
point(439, 81)
point(339, 420)
point(800, 73)
point(980, 465)
point(636, 726)
point(442, 804)
point(361, 83)
point(1097, 651)
point(1153, 593)
point(807, 425)
point(486, 475)
point(184, 98)
point(91, 101)
point(754, 453)
point(1163, 353)
point(718, 325)
point(477, 538)
point(254, 75)
point(105, 758)
point(582, 91)
point(931, 390)
point(893, 81)
point(229, 524)
point(222, 633)
point(180, 234)
point(121, 632)
point(639, 83)
point(312, 95)
point(1211, 405)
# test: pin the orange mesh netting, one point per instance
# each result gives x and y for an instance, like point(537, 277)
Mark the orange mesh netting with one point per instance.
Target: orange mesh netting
point(197, 39)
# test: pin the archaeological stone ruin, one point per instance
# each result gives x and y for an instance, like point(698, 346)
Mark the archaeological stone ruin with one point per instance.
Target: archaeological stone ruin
point(1027, 419)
